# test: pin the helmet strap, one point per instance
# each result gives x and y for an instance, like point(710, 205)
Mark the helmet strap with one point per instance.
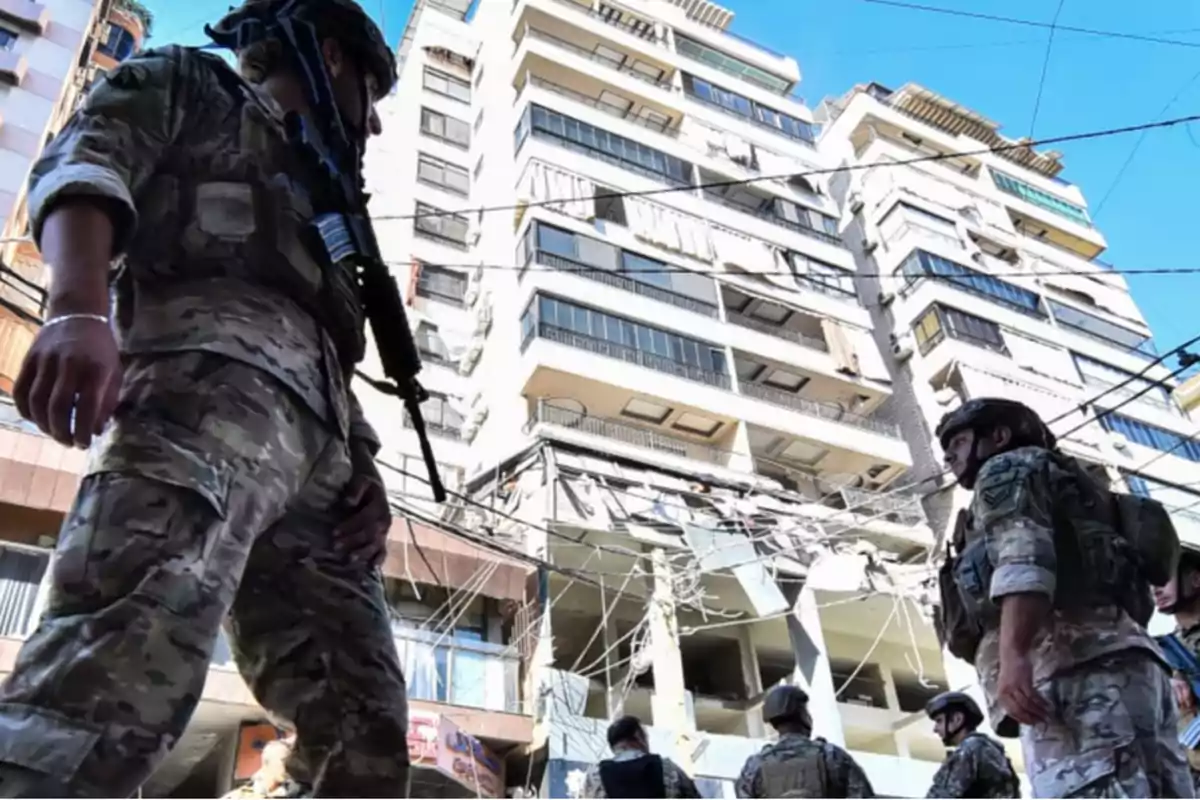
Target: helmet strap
point(948, 739)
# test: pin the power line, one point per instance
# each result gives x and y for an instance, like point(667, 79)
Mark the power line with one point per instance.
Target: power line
point(1037, 103)
point(1028, 145)
point(1139, 37)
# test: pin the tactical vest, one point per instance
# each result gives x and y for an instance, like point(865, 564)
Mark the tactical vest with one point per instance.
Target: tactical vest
point(804, 775)
point(1012, 786)
point(1108, 548)
point(637, 777)
point(249, 208)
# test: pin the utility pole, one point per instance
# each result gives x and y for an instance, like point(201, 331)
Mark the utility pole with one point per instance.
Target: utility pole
point(670, 697)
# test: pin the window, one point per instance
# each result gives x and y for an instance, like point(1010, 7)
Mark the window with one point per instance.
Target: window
point(623, 338)
point(448, 85)
point(441, 284)
point(1152, 436)
point(443, 174)
point(822, 277)
point(646, 411)
point(448, 129)
point(922, 264)
point(441, 417)
point(119, 44)
point(607, 146)
point(1099, 375)
point(730, 65)
point(430, 344)
point(8, 39)
point(1040, 198)
point(734, 103)
point(442, 225)
point(941, 321)
point(1101, 329)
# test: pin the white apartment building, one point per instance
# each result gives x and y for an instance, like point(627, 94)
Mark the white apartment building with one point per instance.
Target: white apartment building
point(673, 394)
point(983, 277)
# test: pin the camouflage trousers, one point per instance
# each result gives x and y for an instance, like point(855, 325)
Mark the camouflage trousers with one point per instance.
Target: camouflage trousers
point(214, 493)
point(1112, 733)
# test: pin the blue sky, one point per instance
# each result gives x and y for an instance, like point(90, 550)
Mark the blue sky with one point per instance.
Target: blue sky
point(1092, 83)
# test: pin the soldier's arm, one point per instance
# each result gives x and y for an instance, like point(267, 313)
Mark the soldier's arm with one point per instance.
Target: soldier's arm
point(103, 156)
point(592, 786)
point(684, 785)
point(747, 782)
point(853, 780)
point(362, 433)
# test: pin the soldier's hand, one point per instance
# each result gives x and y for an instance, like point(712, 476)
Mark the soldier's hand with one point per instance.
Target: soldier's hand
point(363, 536)
point(1016, 692)
point(72, 372)
point(1183, 695)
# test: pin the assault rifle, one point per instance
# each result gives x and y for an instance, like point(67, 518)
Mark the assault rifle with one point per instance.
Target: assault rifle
point(342, 226)
point(1183, 661)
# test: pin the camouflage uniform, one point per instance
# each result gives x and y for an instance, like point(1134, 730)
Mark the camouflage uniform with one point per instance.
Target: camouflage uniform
point(978, 767)
point(676, 782)
point(839, 774)
point(1113, 725)
point(217, 485)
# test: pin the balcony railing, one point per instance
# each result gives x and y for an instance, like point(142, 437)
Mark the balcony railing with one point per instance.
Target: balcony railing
point(904, 508)
point(610, 63)
point(815, 408)
point(623, 432)
point(770, 216)
point(641, 32)
point(778, 331)
point(608, 108)
point(632, 355)
point(448, 669)
point(619, 281)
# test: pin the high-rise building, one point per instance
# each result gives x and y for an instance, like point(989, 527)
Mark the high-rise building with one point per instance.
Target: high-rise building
point(651, 369)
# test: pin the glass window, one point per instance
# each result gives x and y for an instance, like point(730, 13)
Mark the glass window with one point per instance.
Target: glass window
point(1101, 329)
point(443, 174)
point(1100, 375)
point(448, 129)
point(448, 85)
point(922, 264)
point(1040, 198)
point(1152, 436)
point(443, 225)
point(556, 241)
point(439, 283)
point(8, 38)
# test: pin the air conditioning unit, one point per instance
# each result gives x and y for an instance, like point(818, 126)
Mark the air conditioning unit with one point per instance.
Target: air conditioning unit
point(902, 349)
point(869, 245)
point(886, 298)
point(466, 364)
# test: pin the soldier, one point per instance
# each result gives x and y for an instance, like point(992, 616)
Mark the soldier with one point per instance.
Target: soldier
point(1042, 598)
point(1181, 598)
point(634, 771)
point(797, 765)
point(237, 473)
point(978, 767)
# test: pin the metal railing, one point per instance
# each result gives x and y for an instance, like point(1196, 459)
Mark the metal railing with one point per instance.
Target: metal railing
point(642, 33)
point(769, 215)
point(816, 408)
point(624, 432)
point(444, 669)
point(904, 508)
point(778, 331)
point(619, 281)
point(608, 108)
point(590, 55)
point(641, 358)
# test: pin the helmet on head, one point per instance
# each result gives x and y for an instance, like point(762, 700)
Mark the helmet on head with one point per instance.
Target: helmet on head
point(784, 702)
point(1189, 561)
point(949, 702)
point(344, 20)
point(988, 412)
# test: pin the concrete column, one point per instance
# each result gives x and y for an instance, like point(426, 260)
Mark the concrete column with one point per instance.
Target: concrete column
point(669, 701)
point(813, 672)
point(740, 458)
point(893, 701)
point(752, 680)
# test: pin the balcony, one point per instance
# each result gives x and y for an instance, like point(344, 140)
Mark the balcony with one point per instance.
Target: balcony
point(779, 331)
point(663, 127)
point(641, 358)
point(815, 408)
point(599, 58)
point(743, 198)
point(547, 413)
point(619, 281)
point(642, 29)
point(447, 668)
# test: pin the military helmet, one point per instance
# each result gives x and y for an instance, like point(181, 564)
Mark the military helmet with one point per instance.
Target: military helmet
point(948, 702)
point(344, 20)
point(988, 412)
point(783, 702)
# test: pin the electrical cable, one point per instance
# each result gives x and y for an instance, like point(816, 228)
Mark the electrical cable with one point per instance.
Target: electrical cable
point(1037, 103)
point(791, 176)
point(1138, 37)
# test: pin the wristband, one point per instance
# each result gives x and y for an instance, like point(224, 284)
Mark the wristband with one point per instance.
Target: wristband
point(69, 317)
